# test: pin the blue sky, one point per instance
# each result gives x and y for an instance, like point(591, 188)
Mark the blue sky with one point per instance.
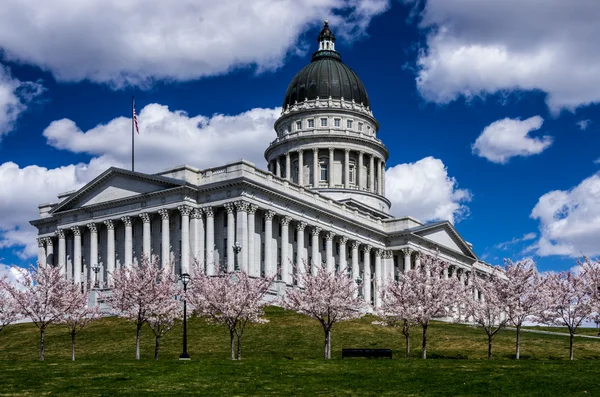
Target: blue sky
point(489, 109)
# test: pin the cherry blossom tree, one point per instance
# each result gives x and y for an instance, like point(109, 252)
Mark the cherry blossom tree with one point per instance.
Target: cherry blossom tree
point(79, 314)
point(231, 299)
point(567, 302)
point(490, 310)
point(164, 312)
point(328, 297)
point(138, 290)
point(42, 295)
point(590, 270)
point(9, 311)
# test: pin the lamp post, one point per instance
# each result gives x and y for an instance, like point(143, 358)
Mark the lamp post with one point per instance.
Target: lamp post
point(96, 269)
point(237, 247)
point(185, 279)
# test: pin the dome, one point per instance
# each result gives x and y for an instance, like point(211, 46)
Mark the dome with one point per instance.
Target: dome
point(326, 76)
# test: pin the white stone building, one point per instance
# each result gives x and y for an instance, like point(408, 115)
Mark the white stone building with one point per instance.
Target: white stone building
point(321, 202)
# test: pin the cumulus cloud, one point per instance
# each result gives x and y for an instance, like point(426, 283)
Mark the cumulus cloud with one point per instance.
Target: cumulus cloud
point(569, 220)
point(474, 48)
point(508, 138)
point(11, 275)
point(15, 95)
point(584, 124)
point(424, 190)
point(135, 42)
point(516, 240)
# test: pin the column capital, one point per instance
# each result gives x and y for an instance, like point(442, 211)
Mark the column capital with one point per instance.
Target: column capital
point(185, 210)
point(300, 151)
point(406, 251)
point(126, 220)
point(209, 211)
point(331, 150)
point(347, 150)
point(145, 217)
point(390, 254)
point(164, 213)
point(252, 209)
point(229, 207)
point(343, 240)
point(76, 231)
point(196, 213)
point(367, 248)
point(92, 227)
point(417, 253)
point(315, 230)
point(315, 150)
point(355, 244)
point(41, 241)
point(285, 220)
point(300, 226)
point(49, 241)
point(329, 236)
point(109, 224)
point(60, 233)
point(269, 215)
point(379, 252)
point(242, 206)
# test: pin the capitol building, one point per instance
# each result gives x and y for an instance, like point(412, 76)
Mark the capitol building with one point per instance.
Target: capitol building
point(320, 201)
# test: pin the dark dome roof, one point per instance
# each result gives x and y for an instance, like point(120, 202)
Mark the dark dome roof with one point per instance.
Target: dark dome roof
point(326, 76)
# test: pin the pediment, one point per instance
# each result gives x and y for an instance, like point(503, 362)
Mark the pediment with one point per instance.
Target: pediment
point(446, 236)
point(115, 185)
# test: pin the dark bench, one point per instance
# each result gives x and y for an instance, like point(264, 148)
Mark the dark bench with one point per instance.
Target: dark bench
point(368, 353)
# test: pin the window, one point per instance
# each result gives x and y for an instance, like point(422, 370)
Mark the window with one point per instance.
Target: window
point(323, 122)
point(352, 172)
point(349, 123)
point(298, 125)
point(311, 124)
point(360, 126)
point(324, 169)
point(336, 122)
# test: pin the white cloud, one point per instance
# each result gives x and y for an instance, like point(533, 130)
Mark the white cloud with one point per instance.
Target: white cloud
point(584, 124)
point(516, 240)
point(138, 41)
point(14, 98)
point(597, 161)
point(475, 47)
point(424, 190)
point(12, 275)
point(569, 220)
point(508, 138)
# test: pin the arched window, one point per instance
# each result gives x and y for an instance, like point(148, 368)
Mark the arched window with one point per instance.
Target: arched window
point(324, 169)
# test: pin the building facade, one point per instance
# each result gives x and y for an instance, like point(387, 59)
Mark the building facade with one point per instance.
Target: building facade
point(320, 203)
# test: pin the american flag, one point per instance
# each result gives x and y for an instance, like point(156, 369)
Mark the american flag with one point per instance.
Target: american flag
point(137, 128)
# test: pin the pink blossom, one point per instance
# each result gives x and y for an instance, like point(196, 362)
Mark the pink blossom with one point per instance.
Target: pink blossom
point(79, 314)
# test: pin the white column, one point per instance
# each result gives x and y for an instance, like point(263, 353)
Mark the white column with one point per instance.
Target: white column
point(288, 167)
point(277, 167)
point(390, 266)
point(146, 233)
point(110, 250)
point(286, 272)
point(315, 249)
point(315, 170)
point(359, 174)
point(417, 260)
point(378, 278)
point(329, 252)
point(165, 252)
point(330, 167)
point(407, 252)
point(41, 251)
point(253, 270)
point(62, 251)
point(230, 236)
point(343, 253)
point(301, 265)
point(242, 233)
point(355, 266)
point(372, 174)
point(269, 268)
point(446, 272)
point(210, 240)
point(198, 237)
point(301, 167)
point(49, 251)
point(93, 254)
point(367, 274)
point(128, 262)
point(76, 255)
point(382, 178)
point(347, 168)
point(185, 211)
point(379, 178)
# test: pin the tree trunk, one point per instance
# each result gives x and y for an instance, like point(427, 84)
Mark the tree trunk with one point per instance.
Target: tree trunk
point(156, 346)
point(424, 351)
point(138, 334)
point(73, 345)
point(232, 344)
point(327, 344)
point(42, 330)
point(407, 346)
point(571, 337)
point(518, 354)
point(490, 336)
point(239, 347)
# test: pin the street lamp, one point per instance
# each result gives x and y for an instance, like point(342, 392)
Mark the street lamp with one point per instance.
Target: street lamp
point(185, 279)
point(237, 247)
point(96, 269)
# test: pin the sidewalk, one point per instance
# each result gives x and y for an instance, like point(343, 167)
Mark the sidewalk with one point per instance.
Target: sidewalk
point(536, 331)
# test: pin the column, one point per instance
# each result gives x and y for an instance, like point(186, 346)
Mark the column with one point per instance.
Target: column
point(382, 178)
point(446, 268)
point(407, 252)
point(269, 269)
point(378, 278)
point(165, 252)
point(146, 235)
point(359, 175)
point(210, 240)
point(76, 255)
point(315, 249)
point(329, 252)
point(93, 254)
point(41, 251)
point(277, 167)
point(417, 260)
point(185, 211)
point(301, 167)
point(110, 250)
point(62, 251)
point(230, 236)
point(372, 174)
point(300, 259)
point(343, 253)
point(49, 251)
point(330, 167)
point(367, 274)
point(288, 167)
point(197, 224)
point(315, 170)
point(252, 268)
point(347, 168)
point(355, 266)
point(128, 261)
point(242, 233)
point(286, 272)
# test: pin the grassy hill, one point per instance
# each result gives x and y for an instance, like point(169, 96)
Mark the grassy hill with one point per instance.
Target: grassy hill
point(284, 357)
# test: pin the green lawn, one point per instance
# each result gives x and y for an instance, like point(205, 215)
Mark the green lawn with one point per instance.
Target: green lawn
point(284, 357)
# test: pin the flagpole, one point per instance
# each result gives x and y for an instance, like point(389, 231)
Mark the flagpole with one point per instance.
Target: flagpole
point(132, 133)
